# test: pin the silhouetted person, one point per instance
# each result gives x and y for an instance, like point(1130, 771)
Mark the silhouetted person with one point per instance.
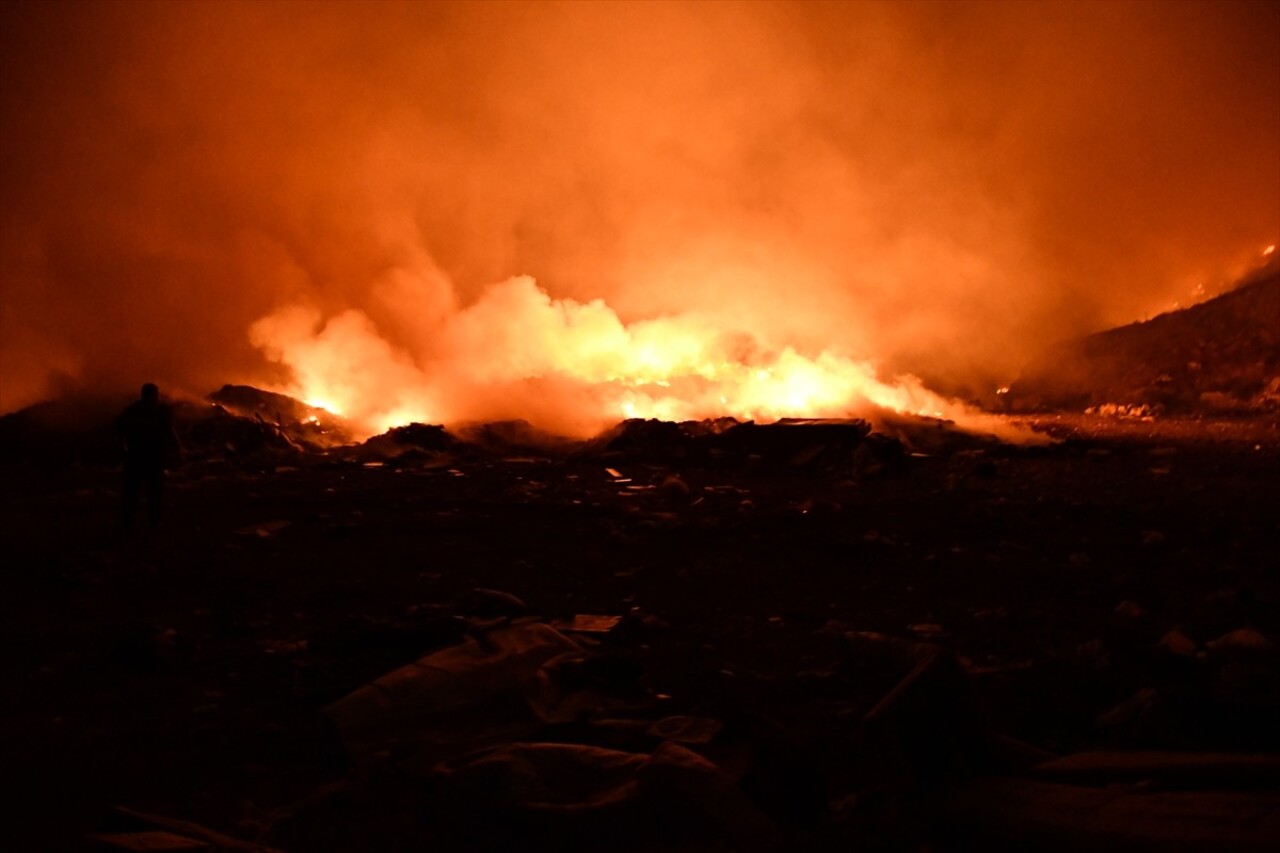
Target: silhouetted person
point(149, 441)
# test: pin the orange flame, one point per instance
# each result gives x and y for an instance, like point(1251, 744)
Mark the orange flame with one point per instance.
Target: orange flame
point(573, 367)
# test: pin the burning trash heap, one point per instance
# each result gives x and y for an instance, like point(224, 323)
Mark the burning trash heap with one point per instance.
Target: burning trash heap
point(670, 468)
point(798, 503)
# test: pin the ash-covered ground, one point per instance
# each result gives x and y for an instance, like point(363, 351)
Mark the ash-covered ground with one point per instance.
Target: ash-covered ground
point(824, 641)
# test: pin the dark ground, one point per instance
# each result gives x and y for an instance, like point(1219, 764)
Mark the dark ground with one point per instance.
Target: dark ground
point(182, 671)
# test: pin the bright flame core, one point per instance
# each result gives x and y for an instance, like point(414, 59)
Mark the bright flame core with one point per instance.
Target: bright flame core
point(571, 367)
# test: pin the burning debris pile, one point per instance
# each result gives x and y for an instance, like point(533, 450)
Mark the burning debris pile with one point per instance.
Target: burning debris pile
point(1221, 356)
point(741, 578)
point(235, 422)
point(239, 424)
point(309, 425)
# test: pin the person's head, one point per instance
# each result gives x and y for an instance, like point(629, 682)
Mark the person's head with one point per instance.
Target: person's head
point(151, 393)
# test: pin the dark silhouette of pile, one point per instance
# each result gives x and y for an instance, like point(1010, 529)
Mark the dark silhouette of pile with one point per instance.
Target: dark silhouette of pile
point(1222, 355)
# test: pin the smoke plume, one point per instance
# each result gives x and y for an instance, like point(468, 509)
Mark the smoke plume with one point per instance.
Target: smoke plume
point(480, 210)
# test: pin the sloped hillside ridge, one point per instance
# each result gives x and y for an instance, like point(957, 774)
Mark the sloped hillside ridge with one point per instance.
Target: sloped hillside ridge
point(1222, 355)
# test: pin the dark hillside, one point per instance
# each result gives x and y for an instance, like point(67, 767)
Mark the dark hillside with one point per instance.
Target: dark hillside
point(1220, 355)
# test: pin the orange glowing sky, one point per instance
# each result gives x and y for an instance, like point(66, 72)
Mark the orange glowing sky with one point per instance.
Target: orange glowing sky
point(484, 210)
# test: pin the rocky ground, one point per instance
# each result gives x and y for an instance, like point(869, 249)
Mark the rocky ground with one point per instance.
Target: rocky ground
point(814, 652)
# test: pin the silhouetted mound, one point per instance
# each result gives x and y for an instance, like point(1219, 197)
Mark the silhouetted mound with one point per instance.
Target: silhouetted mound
point(844, 447)
point(254, 425)
point(247, 401)
point(217, 432)
point(246, 420)
point(244, 427)
point(422, 436)
point(298, 420)
point(651, 439)
point(515, 437)
point(408, 442)
point(1221, 356)
point(54, 433)
point(795, 434)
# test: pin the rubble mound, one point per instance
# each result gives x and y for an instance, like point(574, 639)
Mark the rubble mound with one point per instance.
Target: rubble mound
point(816, 443)
point(1221, 356)
point(659, 440)
point(247, 401)
point(514, 437)
point(408, 443)
point(304, 423)
point(237, 421)
point(216, 431)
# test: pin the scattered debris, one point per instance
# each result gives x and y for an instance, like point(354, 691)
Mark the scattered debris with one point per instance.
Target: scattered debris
point(1131, 610)
point(693, 705)
point(488, 603)
point(587, 624)
point(136, 830)
point(1241, 639)
point(1178, 643)
point(264, 530)
point(1023, 814)
point(449, 686)
point(686, 729)
point(1185, 770)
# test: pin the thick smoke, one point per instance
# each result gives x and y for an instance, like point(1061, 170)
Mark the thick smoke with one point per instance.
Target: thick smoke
point(195, 191)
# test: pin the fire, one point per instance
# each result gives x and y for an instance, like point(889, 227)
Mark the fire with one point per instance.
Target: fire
point(1270, 250)
point(321, 403)
point(572, 367)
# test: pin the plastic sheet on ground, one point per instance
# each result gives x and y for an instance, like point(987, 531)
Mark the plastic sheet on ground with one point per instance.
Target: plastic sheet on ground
point(431, 697)
point(575, 794)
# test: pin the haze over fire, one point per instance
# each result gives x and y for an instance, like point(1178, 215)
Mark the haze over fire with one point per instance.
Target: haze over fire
point(762, 206)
